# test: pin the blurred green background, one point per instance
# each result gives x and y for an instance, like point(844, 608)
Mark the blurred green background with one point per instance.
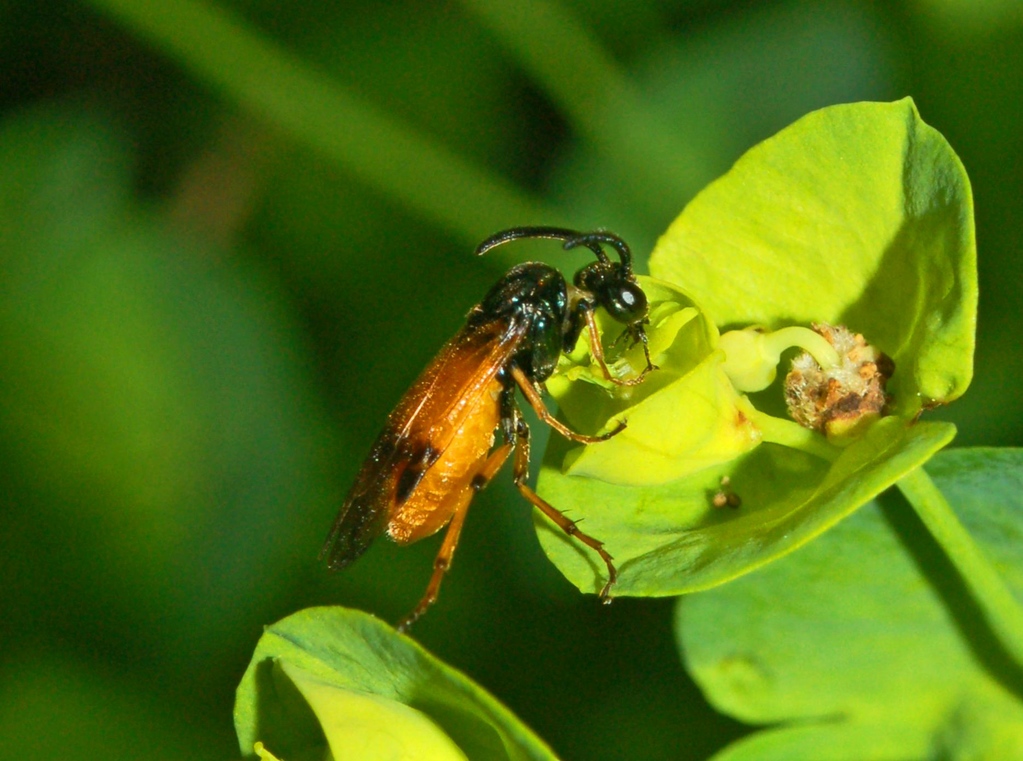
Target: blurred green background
point(232, 235)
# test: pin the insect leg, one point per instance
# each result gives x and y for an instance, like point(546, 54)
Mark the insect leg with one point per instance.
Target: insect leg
point(536, 402)
point(521, 473)
point(597, 349)
point(639, 334)
point(442, 562)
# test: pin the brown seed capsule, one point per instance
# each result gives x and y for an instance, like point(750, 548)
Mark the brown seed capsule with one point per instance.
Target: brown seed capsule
point(842, 401)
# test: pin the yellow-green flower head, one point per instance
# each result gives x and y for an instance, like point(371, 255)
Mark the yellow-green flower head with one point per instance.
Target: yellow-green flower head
point(856, 216)
point(684, 417)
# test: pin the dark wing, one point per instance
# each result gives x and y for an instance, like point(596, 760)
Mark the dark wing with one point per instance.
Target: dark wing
point(364, 515)
point(418, 432)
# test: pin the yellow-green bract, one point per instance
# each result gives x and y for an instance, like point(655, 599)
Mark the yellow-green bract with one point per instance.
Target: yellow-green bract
point(858, 215)
point(344, 680)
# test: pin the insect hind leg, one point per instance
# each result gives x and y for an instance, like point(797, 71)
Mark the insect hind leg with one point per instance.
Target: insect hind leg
point(442, 563)
point(570, 527)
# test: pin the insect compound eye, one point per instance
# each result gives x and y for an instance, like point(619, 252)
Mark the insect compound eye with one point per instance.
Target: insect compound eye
point(626, 303)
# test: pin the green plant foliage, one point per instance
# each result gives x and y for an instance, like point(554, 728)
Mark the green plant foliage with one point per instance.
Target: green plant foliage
point(717, 88)
point(344, 678)
point(232, 233)
point(655, 449)
point(863, 645)
point(670, 539)
point(858, 215)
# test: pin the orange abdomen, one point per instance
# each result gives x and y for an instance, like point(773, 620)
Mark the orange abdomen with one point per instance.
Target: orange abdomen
point(448, 484)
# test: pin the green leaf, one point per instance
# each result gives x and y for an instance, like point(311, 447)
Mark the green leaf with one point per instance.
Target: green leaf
point(670, 539)
point(368, 726)
point(337, 676)
point(864, 645)
point(859, 215)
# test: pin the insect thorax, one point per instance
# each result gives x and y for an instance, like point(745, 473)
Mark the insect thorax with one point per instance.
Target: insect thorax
point(536, 296)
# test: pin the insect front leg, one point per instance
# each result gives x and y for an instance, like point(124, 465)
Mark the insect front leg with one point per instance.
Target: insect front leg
point(638, 333)
point(536, 402)
point(597, 348)
point(521, 473)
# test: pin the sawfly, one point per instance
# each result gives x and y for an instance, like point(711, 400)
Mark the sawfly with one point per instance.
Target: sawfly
point(437, 449)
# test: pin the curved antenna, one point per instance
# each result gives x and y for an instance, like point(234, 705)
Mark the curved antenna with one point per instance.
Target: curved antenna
point(601, 236)
point(571, 239)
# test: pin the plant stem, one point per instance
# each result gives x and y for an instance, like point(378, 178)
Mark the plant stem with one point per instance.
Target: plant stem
point(791, 434)
point(1000, 608)
point(814, 344)
point(314, 109)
